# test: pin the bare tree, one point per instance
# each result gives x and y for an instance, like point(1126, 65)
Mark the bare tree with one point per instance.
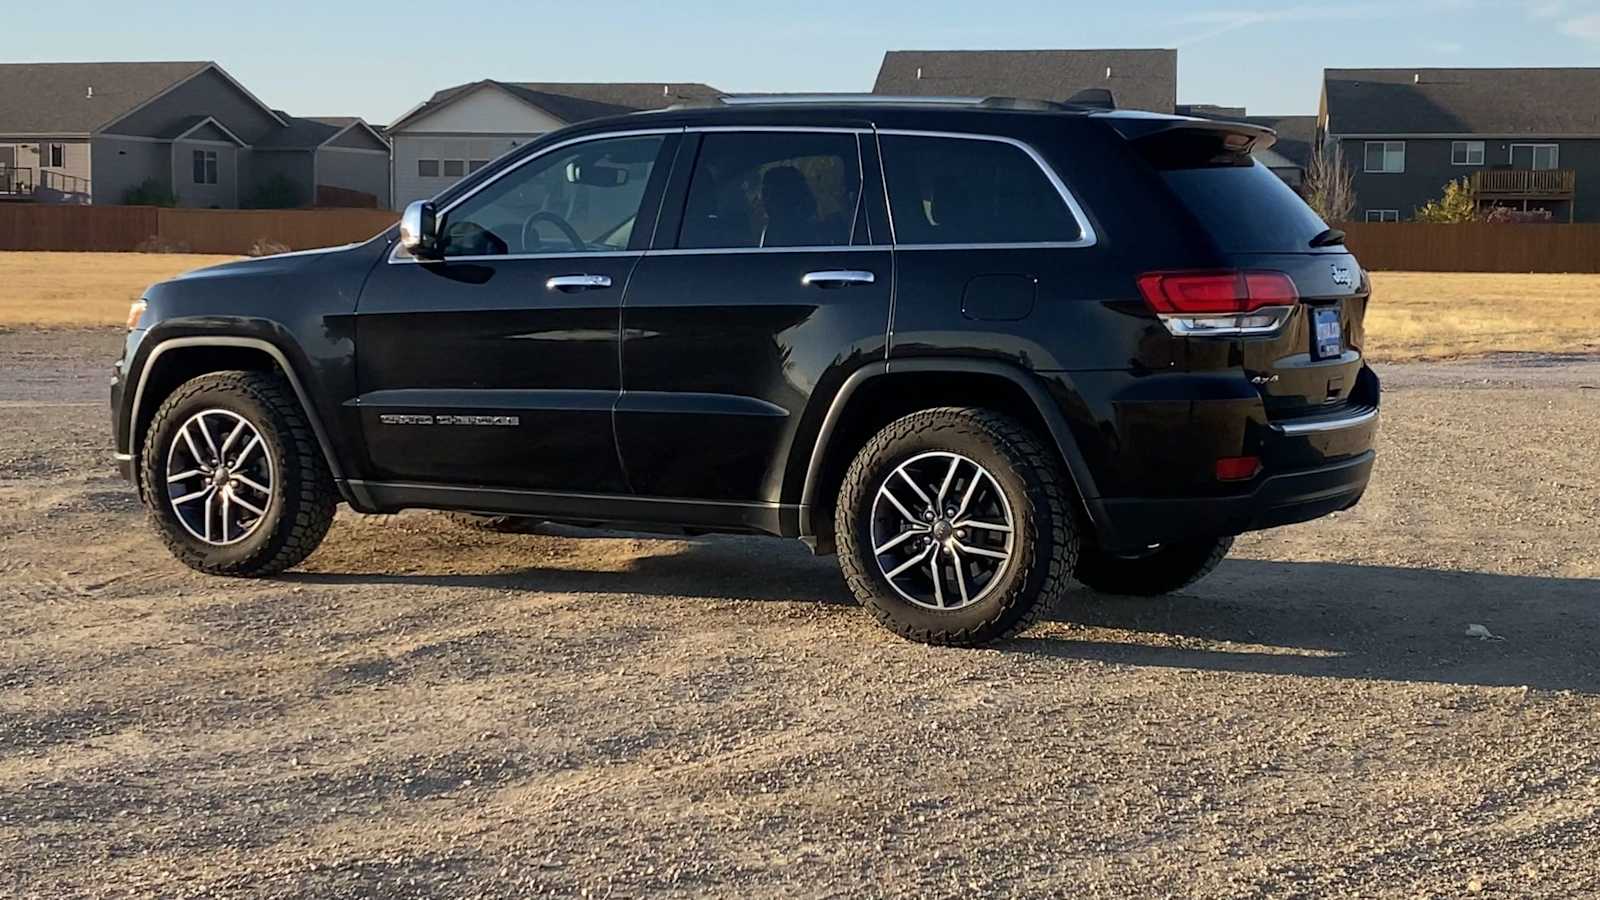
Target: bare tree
point(1328, 187)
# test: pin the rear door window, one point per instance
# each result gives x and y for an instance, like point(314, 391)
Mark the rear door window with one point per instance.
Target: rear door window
point(774, 189)
point(956, 190)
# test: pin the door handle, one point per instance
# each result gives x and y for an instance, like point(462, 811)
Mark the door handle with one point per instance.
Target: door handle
point(837, 278)
point(572, 283)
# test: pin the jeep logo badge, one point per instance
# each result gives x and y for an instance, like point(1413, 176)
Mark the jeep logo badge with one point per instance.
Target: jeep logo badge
point(1341, 275)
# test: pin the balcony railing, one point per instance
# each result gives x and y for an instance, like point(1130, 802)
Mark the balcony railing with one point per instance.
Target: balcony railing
point(16, 181)
point(1525, 183)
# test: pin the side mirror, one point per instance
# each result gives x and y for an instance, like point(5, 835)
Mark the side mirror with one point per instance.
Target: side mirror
point(419, 230)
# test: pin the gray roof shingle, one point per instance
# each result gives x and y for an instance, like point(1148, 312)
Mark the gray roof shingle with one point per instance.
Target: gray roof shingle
point(1462, 101)
point(55, 98)
point(1138, 79)
point(579, 101)
point(1296, 136)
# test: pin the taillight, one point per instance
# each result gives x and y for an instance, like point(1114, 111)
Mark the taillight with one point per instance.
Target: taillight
point(1220, 303)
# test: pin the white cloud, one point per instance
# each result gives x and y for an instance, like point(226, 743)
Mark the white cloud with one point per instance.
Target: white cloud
point(1585, 27)
point(1218, 22)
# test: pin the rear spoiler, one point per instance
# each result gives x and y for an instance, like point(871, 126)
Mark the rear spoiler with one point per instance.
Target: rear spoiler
point(1234, 137)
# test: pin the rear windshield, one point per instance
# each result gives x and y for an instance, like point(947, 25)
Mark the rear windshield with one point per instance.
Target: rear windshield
point(1247, 209)
point(1239, 201)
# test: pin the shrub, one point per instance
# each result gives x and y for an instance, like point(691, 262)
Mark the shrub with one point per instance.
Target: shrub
point(276, 192)
point(267, 247)
point(1456, 206)
point(158, 244)
point(1505, 215)
point(150, 192)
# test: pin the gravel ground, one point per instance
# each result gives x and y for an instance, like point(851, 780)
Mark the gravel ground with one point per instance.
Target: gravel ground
point(424, 710)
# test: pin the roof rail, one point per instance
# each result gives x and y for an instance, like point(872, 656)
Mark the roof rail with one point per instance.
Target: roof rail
point(1082, 100)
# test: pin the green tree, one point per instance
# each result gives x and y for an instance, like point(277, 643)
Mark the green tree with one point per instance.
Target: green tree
point(1457, 205)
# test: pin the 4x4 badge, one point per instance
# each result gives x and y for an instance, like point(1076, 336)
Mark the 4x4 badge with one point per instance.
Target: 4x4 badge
point(1341, 275)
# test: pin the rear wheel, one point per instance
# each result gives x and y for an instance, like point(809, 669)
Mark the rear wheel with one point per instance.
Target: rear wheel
point(234, 479)
point(1162, 569)
point(955, 527)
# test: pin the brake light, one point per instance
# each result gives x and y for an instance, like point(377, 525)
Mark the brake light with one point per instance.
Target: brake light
point(1220, 303)
point(1216, 293)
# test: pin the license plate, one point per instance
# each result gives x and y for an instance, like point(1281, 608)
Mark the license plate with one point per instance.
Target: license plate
point(1328, 340)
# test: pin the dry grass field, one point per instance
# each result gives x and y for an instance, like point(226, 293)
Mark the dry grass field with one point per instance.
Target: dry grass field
point(72, 290)
point(1414, 315)
point(1432, 315)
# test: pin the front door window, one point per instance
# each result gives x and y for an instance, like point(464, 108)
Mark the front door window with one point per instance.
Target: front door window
point(580, 199)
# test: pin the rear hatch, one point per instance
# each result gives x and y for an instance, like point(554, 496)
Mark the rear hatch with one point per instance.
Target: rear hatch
point(1308, 363)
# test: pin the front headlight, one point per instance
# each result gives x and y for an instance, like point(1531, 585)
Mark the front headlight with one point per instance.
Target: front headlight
point(135, 313)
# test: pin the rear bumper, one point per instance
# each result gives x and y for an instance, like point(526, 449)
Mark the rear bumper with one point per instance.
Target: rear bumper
point(1278, 500)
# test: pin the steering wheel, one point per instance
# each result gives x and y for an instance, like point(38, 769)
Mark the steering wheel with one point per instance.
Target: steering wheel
point(566, 228)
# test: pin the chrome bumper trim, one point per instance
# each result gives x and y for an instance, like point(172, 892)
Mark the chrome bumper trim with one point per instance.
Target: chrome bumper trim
point(1360, 418)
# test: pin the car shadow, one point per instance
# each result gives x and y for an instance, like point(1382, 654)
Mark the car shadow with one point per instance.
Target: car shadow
point(1315, 619)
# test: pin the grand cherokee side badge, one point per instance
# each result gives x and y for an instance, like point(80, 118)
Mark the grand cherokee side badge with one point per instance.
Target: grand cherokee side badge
point(398, 419)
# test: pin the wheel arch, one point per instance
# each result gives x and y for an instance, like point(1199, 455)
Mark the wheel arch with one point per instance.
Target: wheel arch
point(880, 393)
point(175, 360)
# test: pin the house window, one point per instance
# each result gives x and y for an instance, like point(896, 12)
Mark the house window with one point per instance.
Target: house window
point(205, 167)
point(428, 168)
point(1383, 215)
point(454, 168)
point(474, 165)
point(1386, 156)
point(1466, 153)
point(53, 155)
point(1539, 157)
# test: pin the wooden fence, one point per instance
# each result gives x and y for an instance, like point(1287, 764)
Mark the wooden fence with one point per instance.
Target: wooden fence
point(1475, 247)
point(232, 231)
point(1407, 246)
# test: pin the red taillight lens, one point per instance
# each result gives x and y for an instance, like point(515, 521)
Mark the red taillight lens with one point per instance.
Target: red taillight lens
point(1238, 468)
point(1216, 293)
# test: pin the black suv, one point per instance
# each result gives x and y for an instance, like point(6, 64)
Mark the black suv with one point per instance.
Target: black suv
point(978, 347)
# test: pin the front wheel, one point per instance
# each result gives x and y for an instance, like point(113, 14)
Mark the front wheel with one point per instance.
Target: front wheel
point(1162, 569)
point(235, 481)
point(955, 527)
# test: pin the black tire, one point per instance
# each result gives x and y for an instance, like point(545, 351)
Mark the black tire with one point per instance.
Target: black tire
point(1168, 568)
point(1044, 538)
point(302, 496)
point(497, 524)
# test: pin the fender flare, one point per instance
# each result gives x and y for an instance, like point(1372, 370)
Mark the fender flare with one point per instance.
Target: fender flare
point(244, 343)
point(1060, 433)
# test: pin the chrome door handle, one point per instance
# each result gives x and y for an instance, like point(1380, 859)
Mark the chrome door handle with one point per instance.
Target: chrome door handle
point(837, 278)
point(571, 283)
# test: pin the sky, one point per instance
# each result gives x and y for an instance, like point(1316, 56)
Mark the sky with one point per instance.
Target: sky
point(379, 60)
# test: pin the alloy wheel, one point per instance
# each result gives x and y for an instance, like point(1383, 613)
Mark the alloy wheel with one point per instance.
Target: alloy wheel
point(220, 477)
point(942, 531)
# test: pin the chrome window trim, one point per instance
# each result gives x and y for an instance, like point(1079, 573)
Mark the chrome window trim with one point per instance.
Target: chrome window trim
point(396, 259)
point(1089, 237)
point(812, 248)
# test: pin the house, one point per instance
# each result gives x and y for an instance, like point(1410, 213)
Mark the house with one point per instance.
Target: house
point(1289, 157)
point(1137, 79)
point(1523, 138)
point(461, 128)
point(98, 132)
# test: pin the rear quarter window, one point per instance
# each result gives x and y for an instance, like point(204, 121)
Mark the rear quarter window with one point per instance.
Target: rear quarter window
point(951, 190)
